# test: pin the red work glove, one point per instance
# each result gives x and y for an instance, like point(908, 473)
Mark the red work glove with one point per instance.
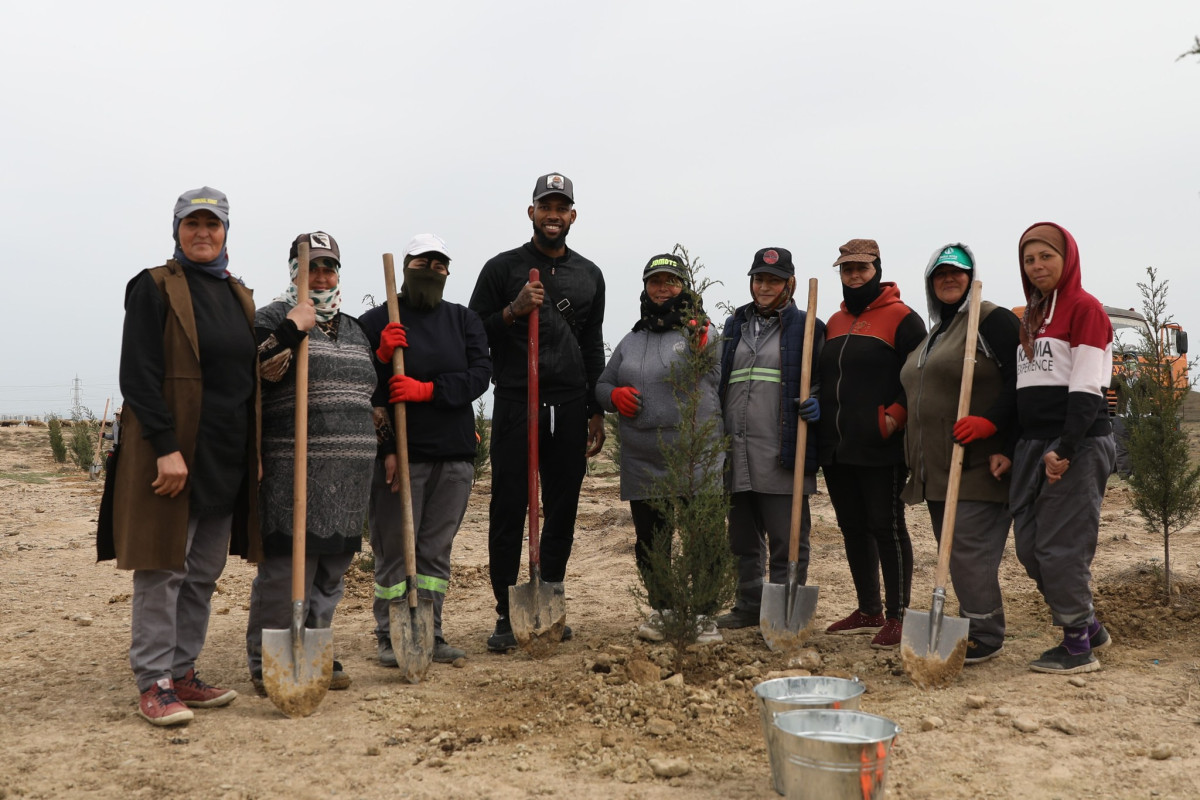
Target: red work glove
point(393, 336)
point(702, 339)
point(403, 389)
point(970, 429)
point(897, 413)
point(627, 400)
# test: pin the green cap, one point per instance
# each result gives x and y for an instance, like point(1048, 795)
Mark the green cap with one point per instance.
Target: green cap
point(956, 256)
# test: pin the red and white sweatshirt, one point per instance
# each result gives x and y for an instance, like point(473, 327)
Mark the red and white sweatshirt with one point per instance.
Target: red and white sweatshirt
point(1061, 391)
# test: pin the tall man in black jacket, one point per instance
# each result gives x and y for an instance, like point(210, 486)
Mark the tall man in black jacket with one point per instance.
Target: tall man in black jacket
point(570, 295)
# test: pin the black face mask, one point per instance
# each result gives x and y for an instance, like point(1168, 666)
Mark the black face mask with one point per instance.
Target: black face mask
point(669, 315)
point(859, 297)
point(423, 287)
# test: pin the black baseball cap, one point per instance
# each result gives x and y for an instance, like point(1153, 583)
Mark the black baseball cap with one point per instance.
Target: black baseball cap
point(554, 183)
point(775, 260)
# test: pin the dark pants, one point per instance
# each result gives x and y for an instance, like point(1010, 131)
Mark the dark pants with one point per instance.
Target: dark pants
point(561, 464)
point(1056, 525)
point(648, 523)
point(755, 517)
point(871, 516)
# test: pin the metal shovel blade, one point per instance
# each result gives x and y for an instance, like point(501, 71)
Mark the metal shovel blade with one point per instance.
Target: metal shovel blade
point(411, 632)
point(786, 625)
point(297, 666)
point(933, 647)
point(538, 613)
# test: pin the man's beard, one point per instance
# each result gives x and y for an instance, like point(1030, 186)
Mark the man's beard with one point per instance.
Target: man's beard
point(546, 243)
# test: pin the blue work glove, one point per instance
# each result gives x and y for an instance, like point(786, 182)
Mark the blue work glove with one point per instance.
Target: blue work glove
point(810, 409)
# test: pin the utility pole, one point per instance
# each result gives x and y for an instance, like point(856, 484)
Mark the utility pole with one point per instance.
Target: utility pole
point(77, 398)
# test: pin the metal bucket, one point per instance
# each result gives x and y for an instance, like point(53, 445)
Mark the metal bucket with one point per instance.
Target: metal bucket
point(834, 755)
point(793, 694)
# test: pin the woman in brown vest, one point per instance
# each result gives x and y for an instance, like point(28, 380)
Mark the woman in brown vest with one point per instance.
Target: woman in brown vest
point(184, 487)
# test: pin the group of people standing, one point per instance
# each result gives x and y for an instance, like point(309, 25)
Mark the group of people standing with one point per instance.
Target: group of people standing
point(883, 416)
point(205, 463)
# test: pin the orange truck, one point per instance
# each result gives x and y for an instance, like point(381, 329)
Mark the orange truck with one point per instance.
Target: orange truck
point(1130, 330)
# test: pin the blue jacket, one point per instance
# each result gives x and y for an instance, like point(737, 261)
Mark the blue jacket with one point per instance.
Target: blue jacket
point(791, 356)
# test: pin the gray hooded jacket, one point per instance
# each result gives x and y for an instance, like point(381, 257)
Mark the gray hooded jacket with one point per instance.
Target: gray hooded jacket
point(932, 376)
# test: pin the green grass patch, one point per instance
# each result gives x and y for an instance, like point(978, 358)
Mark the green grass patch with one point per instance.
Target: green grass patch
point(26, 477)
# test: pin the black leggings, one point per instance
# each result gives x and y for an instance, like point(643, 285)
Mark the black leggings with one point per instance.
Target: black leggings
point(871, 516)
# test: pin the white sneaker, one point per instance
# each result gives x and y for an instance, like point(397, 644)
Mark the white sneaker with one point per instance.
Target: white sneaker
point(708, 631)
point(651, 629)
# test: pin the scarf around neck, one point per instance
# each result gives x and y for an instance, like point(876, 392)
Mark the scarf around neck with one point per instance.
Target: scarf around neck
point(670, 315)
point(327, 302)
point(857, 298)
point(217, 268)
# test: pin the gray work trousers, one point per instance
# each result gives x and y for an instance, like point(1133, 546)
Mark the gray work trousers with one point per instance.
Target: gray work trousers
point(755, 518)
point(171, 607)
point(271, 597)
point(1056, 525)
point(440, 491)
point(980, 531)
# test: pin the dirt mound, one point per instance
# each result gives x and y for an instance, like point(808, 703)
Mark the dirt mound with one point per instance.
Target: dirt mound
point(606, 715)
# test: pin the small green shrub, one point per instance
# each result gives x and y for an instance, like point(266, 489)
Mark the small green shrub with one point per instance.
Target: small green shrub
point(83, 429)
point(57, 446)
point(691, 566)
point(483, 432)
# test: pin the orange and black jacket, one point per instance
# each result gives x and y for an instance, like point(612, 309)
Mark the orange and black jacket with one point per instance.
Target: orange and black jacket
point(860, 381)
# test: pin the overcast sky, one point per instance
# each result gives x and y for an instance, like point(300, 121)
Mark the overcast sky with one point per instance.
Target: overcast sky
point(724, 126)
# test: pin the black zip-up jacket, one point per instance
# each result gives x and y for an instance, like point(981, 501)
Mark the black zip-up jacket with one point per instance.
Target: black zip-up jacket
point(446, 345)
point(570, 343)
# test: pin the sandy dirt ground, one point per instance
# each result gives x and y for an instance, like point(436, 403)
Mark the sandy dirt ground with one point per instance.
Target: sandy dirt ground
point(574, 725)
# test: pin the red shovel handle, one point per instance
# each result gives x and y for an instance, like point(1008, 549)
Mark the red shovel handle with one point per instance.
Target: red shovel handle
point(532, 417)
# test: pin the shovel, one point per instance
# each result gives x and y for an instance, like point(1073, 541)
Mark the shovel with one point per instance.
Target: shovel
point(933, 646)
point(298, 663)
point(788, 610)
point(410, 625)
point(537, 609)
point(94, 470)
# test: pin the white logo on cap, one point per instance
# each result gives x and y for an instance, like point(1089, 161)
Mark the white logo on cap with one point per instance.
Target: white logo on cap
point(319, 240)
point(554, 181)
point(949, 251)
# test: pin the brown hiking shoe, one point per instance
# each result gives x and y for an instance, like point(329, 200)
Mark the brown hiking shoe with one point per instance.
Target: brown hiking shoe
point(198, 694)
point(159, 705)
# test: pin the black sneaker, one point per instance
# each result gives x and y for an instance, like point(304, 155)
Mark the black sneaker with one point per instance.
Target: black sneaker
point(387, 656)
point(978, 652)
point(1059, 661)
point(444, 653)
point(339, 680)
point(256, 680)
point(1100, 639)
point(502, 639)
point(738, 618)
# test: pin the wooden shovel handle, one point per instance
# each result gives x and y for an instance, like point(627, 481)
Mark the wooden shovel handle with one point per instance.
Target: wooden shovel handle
point(400, 422)
point(956, 456)
point(100, 438)
point(300, 461)
point(810, 327)
point(531, 411)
